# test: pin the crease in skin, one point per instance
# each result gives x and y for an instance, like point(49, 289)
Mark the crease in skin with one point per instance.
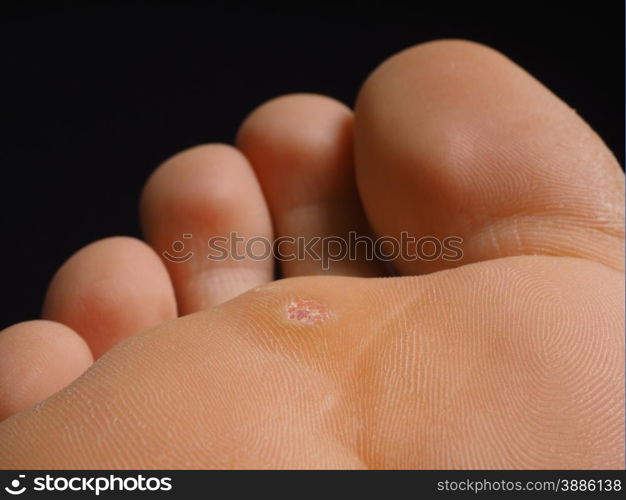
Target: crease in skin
point(307, 311)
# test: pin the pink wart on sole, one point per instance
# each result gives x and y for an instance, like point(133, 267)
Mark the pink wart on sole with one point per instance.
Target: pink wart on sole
point(307, 311)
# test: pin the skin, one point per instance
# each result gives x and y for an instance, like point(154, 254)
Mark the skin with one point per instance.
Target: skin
point(512, 357)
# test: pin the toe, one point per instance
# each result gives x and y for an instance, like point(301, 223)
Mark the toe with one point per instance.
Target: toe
point(38, 358)
point(204, 212)
point(301, 149)
point(109, 290)
point(453, 140)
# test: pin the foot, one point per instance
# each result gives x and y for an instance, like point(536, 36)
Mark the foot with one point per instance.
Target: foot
point(512, 356)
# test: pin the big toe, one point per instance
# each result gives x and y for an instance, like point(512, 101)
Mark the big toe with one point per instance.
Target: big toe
point(456, 143)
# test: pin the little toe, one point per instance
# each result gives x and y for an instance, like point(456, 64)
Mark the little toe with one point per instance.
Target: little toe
point(38, 358)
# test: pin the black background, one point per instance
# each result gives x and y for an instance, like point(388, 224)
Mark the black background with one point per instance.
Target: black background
point(95, 95)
